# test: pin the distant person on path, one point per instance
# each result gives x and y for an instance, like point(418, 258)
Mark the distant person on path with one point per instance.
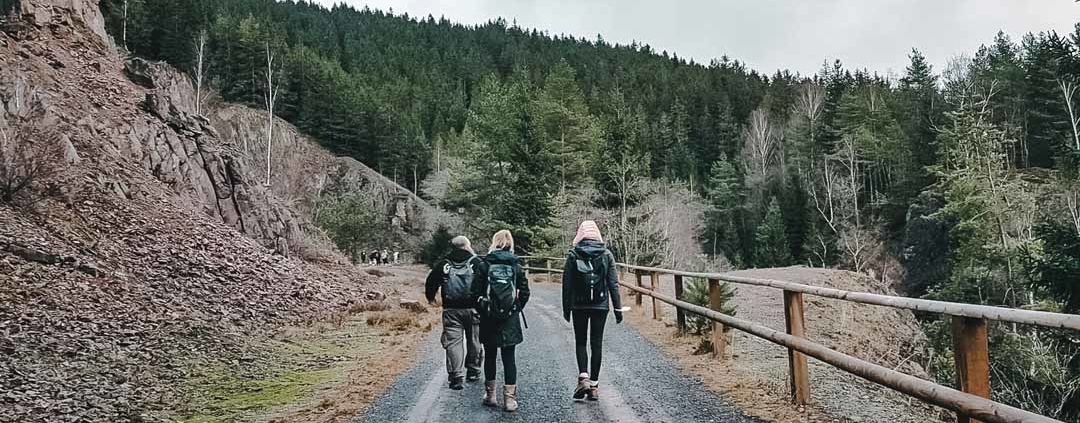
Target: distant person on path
point(396, 257)
point(454, 276)
point(373, 257)
point(589, 283)
point(385, 257)
point(501, 292)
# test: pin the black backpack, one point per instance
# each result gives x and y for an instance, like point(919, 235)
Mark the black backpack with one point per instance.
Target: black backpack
point(502, 291)
point(591, 281)
point(457, 286)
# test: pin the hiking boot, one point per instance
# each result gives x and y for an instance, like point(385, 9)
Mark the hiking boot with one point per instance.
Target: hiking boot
point(510, 398)
point(489, 394)
point(457, 384)
point(594, 391)
point(472, 377)
point(582, 386)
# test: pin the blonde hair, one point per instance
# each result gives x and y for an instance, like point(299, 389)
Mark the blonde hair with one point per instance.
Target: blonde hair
point(502, 240)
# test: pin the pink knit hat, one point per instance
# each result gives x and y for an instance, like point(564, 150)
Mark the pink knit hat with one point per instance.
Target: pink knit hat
point(588, 230)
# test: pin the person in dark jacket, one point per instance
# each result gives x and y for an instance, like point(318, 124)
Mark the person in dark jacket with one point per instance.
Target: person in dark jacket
point(454, 276)
point(500, 335)
point(590, 282)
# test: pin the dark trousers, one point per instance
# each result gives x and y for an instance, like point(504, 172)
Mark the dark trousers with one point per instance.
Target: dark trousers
point(589, 329)
point(509, 363)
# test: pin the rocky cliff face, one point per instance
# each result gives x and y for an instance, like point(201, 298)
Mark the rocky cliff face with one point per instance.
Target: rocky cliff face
point(134, 261)
point(302, 171)
point(185, 151)
point(81, 14)
point(215, 164)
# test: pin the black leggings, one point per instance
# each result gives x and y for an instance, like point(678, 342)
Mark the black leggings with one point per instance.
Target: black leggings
point(509, 364)
point(586, 321)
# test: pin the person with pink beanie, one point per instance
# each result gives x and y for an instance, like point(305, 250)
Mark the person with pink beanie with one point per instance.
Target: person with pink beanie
point(590, 283)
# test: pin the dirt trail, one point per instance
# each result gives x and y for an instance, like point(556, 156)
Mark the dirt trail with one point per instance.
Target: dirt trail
point(754, 376)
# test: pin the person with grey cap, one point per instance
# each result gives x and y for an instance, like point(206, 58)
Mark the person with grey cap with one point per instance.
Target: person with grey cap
point(454, 276)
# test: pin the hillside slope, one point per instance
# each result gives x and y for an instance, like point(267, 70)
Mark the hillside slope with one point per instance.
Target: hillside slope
point(130, 267)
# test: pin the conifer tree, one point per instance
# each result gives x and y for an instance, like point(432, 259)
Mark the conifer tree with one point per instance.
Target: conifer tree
point(771, 247)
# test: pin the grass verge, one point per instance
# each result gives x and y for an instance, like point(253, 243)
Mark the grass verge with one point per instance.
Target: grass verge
point(327, 372)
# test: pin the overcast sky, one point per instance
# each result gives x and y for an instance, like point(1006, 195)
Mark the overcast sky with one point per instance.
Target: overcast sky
point(771, 34)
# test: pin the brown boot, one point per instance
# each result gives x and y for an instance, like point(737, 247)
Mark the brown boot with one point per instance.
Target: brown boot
point(510, 398)
point(489, 394)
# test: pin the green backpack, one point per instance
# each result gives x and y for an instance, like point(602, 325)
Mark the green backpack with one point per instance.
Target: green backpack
point(502, 291)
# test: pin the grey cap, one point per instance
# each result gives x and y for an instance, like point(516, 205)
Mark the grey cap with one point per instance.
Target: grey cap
point(461, 242)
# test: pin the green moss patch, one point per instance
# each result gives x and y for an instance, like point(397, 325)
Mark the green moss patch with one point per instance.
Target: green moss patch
point(277, 373)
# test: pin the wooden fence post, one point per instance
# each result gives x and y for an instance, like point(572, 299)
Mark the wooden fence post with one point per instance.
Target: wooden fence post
point(970, 350)
point(799, 375)
point(680, 316)
point(719, 338)
point(637, 274)
point(655, 279)
point(547, 265)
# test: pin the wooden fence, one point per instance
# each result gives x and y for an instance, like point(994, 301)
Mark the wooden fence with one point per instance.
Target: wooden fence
point(969, 330)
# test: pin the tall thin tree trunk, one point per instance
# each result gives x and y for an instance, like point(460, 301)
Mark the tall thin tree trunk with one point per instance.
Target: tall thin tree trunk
point(124, 36)
point(271, 96)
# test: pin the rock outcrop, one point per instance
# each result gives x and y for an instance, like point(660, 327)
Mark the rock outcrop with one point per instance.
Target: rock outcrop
point(72, 13)
point(303, 170)
point(134, 261)
point(188, 154)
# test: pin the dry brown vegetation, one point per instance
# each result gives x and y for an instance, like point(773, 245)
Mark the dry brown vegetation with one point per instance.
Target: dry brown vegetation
point(30, 159)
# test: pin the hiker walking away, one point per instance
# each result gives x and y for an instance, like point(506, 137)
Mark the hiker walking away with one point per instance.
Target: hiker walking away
point(373, 258)
point(500, 294)
point(589, 283)
point(396, 257)
point(385, 257)
point(455, 276)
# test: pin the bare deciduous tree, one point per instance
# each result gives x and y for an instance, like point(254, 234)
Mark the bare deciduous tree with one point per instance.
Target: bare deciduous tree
point(836, 198)
point(1072, 202)
point(199, 71)
point(761, 150)
point(270, 98)
point(1068, 92)
point(27, 157)
point(124, 31)
point(761, 143)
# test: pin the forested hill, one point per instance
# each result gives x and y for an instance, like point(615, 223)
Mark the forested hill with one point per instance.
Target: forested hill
point(382, 87)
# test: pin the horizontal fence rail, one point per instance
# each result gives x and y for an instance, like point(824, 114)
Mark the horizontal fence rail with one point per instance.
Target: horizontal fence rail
point(933, 393)
point(1001, 314)
point(969, 333)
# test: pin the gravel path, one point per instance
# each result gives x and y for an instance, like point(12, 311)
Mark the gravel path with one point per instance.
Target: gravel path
point(638, 383)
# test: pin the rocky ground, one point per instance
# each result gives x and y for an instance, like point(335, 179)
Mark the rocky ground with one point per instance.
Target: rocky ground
point(754, 373)
point(104, 301)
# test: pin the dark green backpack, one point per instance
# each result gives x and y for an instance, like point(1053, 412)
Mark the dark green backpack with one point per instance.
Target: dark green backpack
point(502, 291)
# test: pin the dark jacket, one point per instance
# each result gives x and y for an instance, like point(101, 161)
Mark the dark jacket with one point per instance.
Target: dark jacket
point(588, 249)
point(437, 277)
point(497, 332)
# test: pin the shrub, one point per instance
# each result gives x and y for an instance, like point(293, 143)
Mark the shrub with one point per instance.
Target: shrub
point(697, 293)
point(27, 160)
point(352, 221)
point(437, 247)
